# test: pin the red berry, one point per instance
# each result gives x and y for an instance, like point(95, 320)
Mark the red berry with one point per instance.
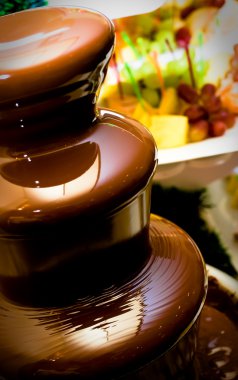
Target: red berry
point(195, 112)
point(208, 89)
point(183, 37)
point(198, 131)
point(187, 93)
point(224, 115)
point(217, 128)
point(212, 104)
point(217, 3)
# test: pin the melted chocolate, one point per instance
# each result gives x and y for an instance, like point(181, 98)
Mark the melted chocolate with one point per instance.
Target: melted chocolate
point(60, 155)
point(92, 174)
point(42, 170)
point(122, 327)
point(217, 354)
point(52, 48)
point(90, 285)
point(52, 65)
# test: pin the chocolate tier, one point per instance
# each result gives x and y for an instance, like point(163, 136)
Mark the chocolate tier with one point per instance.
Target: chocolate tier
point(73, 177)
point(119, 330)
point(91, 284)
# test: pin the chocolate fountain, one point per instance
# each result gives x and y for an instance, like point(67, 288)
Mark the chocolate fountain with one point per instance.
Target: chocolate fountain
point(92, 285)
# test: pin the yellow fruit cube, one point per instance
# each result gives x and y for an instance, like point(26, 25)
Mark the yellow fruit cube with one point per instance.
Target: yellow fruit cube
point(169, 103)
point(142, 113)
point(169, 131)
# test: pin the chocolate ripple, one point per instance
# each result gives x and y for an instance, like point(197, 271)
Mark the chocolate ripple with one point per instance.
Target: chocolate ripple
point(120, 328)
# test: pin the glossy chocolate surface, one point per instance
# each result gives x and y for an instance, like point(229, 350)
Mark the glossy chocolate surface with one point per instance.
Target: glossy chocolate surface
point(44, 48)
point(213, 348)
point(217, 353)
point(90, 285)
point(75, 180)
point(60, 156)
point(51, 68)
point(106, 166)
point(119, 329)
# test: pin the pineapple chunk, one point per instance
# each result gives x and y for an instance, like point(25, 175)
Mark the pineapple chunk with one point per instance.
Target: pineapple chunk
point(169, 103)
point(142, 113)
point(169, 131)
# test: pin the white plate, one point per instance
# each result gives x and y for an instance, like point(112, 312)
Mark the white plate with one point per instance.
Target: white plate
point(225, 280)
point(196, 173)
point(113, 8)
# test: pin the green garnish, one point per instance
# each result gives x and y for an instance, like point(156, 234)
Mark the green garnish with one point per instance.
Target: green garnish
point(7, 7)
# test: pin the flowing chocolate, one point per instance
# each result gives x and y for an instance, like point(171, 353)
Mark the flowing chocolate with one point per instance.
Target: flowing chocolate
point(91, 284)
point(120, 329)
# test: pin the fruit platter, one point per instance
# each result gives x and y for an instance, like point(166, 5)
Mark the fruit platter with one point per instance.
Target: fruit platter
point(176, 70)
